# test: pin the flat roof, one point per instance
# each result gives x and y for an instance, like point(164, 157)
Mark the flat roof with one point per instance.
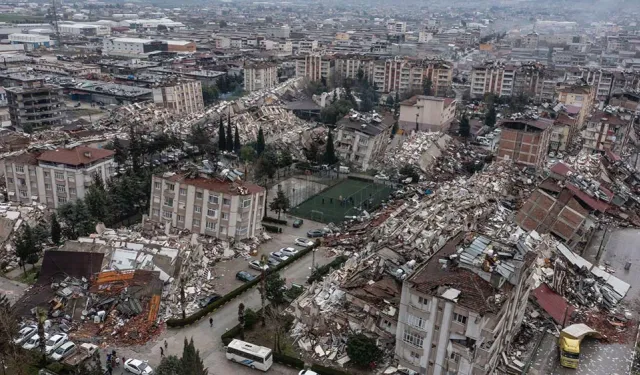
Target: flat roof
point(213, 184)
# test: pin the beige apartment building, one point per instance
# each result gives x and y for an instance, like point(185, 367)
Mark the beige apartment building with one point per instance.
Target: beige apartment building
point(359, 141)
point(211, 206)
point(315, 66)
point(260, 76)
point(580, 96)
point(492, 78)
point(180, 96)
point(426, 113)
point(607, 131)
point(463, 307)
point(55, 177)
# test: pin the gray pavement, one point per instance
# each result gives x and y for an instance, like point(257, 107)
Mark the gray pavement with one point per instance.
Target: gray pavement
point(207, 339)
point(12, 289)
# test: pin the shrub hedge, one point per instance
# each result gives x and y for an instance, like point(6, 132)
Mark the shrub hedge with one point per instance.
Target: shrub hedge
point(272, 228)
point(288, 361)
point(320, 272)
point(322, 370)
point(179, 322)
point(269, 219)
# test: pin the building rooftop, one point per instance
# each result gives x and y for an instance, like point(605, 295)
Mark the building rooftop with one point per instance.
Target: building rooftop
point(214, 184)
point(527, 125)
point(77, 156)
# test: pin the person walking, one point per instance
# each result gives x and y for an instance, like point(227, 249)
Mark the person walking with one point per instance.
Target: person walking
point(123, 360)
point(211, 322)
point(165, 344)
point(161, 352)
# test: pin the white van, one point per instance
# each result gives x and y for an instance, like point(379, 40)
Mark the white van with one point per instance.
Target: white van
point(343, 169)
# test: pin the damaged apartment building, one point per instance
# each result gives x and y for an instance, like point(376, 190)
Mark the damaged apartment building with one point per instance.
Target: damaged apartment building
point(461, 309)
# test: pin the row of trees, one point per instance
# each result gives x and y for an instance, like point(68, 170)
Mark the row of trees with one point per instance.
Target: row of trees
point(228, 141)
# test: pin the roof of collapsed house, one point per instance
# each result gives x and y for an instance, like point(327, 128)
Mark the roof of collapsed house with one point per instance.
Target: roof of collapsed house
point(61, 264)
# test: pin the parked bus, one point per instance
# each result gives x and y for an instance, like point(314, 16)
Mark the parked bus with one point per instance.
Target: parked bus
point(254, 356)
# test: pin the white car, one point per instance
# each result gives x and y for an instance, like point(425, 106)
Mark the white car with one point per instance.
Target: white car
point(64, 351)
point(290, 251)
point(138, 367)
point(303, 242)
point(55, 342)
point(25, 334)
point(307, 372)
point(280, 257)
point(255, 264)
point(381, 176)
point(34, 341)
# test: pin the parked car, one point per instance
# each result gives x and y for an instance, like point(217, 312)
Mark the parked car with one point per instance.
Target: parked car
point(244, 276)
point(77, 105)
point(273, 262)
point(54, 342)
point(206, 301)
point(297, 223)
point(25, 334)
point(290, 251)
point(138, 367)
point(303, 242)
point(34, 341)
point(307, 372)
point(279, 256)
point(255, 264)
point(64, 351)
point(315, 233)
point(381, 176)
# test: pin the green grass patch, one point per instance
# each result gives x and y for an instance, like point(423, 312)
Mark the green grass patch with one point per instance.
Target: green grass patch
point(30, 277)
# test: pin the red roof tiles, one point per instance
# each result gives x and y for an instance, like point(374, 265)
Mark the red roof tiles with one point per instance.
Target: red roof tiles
point(80, 155)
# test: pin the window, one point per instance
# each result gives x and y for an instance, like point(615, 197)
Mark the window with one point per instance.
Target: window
point(19, 169)
point(223, 229)
point(171, 186)
point(213, 199)
point(168, 202)
point(412, 338)
point(10, 180)
point(59, 175)
point(246, 203)
point(32, 172)
point(243, 230)
point(47, 175)
point(156, 199)
point(183, 191)
point(22, 181)
point(156, 212)
point(211, 225)
point(199, 195)
point(196, 222)
point(416, 321)
point(455, 356)
point(180, 219)
point(225, 216)
point(62, 200)
point(197, 209)
point(459, 318)
point(72, 190)
point(226, 201)
point(211, 212)
point(61, 188)
point(157, 185)
point(47, 186)
point(167, 214)
point(23, 194)
point(423, 303)
point(415, 356)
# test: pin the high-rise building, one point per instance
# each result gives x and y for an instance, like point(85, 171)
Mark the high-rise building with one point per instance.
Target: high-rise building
point(34, 104)
point(260, 76)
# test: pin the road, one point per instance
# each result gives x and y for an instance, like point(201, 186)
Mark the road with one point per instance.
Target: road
point(207, 339)
point(12, 289)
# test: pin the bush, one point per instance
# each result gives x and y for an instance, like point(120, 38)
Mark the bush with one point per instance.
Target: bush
point(288, 361)
point(363, 350)
point(320, 272)
point(274, 220)
point(56, 367)
point(322, 370)
point(250, 318)
point(272, 228)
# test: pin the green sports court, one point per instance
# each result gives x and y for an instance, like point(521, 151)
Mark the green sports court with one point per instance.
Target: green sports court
point(356, 193)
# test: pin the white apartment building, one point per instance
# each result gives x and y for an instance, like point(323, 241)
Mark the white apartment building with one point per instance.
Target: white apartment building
point(206, 205)
point(492, 78)
point(30, 41)
point(260, 76)
point(358, 142)
point(81, 29)
point(427, 113)
point(607, 131)
point(397, 27)
point(182, 96)
point(55, 177)
point(222, 42)
point(458, 311)
point(307, 46)
point(315, 67)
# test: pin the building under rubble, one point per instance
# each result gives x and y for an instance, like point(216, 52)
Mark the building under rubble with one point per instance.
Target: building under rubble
point(525, 141)
point(461, 309)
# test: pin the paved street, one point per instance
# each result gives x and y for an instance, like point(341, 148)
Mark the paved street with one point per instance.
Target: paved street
point(207, 339)
point(12, 289)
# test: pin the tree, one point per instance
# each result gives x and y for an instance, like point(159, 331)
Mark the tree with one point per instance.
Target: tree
point(313, 152)
point(189, 364)
point(121, 152)
point(135, 148)
point(267, 164)
point(236, 142)
point(97, 201)
point(363, 350)
point(56, 231)
point(26, 246)
point(410, 171)
point(241, 319)
point(275, 288)
point(465, 128)
point(280, 203)
point(260, 143)
point(285, 159)
point(329, 151)
point(222, 142)
point(390, 101)
point(201, 139)
point(210, 94)
point(278, 321)
point(491, 117)
point(76, 219)
point(426, 86)
point(394, 128)
point(222, 23)
point(229, 137)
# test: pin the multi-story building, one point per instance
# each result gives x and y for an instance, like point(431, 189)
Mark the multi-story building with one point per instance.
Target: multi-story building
point(494, 78)
point(525, 142)
point(80, 29)
point(426, 113)
point(315, 67)
point(581, 96)
point(73, 70)
point(34, 104)
point(562, 132)
point(142, 48)
point(260, 76)
point(397, 27)
point(462, 308)
point(207, 205)
point(180, 96)
point(55, 177)
point(359, 140)
point(30, 41)
point(607, 131)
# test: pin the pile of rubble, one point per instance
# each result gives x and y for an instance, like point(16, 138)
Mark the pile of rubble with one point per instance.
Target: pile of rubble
point(12, 217)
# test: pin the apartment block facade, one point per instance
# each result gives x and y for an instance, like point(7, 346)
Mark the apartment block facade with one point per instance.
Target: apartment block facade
point(358, 142)
point(581, 96)
point(181, 96)
point(607, 131)
point(206, 205)
point(426, 113)
point(55, 177)
point(34, 104)
point(315, 67)
point(492, 78)
point(458, 312)
point(260, 76)
point(525, 142)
